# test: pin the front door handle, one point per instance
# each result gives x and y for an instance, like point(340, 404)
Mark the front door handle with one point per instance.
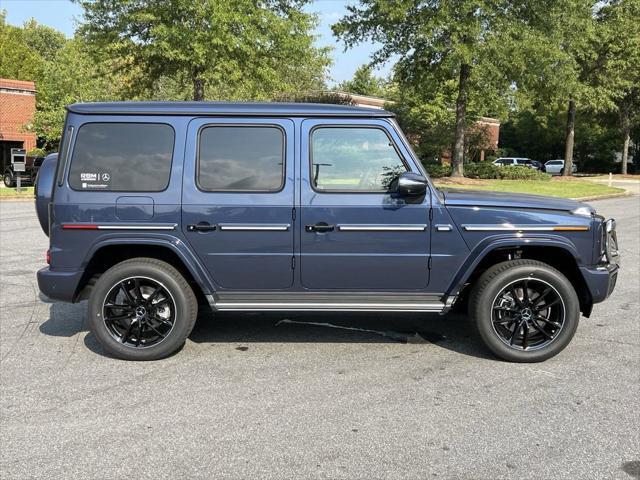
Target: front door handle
point(201, 227)
point(320, 227)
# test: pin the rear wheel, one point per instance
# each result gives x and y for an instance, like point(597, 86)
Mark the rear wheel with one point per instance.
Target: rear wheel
point(524, 310)
point(142, 309)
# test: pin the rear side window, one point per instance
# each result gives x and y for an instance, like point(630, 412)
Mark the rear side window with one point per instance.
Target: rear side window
point(241, 158)
point(132, 157)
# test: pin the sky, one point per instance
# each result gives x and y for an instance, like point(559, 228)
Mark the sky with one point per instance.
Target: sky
point(63, 15)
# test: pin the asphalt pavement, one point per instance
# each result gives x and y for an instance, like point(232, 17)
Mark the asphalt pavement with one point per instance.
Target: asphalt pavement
point(252, 396)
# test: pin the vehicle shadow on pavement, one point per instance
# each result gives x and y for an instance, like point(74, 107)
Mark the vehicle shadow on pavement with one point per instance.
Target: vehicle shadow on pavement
point(452, 332)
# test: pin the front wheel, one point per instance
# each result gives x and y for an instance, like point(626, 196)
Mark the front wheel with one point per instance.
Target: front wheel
point(8, 180)
point(524, 310)
point(142, 309)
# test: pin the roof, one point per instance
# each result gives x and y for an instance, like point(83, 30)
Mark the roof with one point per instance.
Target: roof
point(23, 85)
point(227, 109)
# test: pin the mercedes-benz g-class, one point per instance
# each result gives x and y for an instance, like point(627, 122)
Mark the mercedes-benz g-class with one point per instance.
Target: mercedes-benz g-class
point(152, 207)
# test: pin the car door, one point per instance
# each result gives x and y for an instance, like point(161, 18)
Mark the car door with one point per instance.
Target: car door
point(354, 234)
point(238, 200)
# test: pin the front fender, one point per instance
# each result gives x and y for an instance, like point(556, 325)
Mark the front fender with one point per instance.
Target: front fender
point(495, 242)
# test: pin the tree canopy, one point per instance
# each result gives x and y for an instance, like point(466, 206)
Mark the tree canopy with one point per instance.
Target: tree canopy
point(239, 49)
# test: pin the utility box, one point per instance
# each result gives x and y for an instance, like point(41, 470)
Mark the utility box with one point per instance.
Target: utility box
point(18, 160)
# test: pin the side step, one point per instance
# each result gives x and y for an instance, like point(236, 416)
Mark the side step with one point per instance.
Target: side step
point(327, 302)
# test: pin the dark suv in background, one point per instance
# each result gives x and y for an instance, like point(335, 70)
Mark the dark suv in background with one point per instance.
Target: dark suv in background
point(294, 207)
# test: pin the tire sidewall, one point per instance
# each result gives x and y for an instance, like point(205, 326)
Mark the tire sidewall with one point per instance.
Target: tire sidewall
point(483, 309)
point(7, 176)
point(175, 338)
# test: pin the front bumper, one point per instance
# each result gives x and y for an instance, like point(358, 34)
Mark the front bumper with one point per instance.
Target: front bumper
point(600, 280)
point(59, 285)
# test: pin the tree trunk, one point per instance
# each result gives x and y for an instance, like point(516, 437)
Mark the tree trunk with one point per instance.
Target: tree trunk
point(626, 135)
point(198, 86)
point(457, 160)
point(569, 137)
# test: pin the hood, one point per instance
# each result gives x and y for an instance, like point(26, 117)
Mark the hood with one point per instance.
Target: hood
point(476, 198)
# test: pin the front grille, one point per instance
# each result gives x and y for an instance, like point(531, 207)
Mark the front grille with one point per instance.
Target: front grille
point(610, 242)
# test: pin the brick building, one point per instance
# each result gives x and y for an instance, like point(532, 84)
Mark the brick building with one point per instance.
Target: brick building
point(17, 107)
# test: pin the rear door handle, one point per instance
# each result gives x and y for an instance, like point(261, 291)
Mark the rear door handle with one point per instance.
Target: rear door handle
point(201, 227)
point(320, 227)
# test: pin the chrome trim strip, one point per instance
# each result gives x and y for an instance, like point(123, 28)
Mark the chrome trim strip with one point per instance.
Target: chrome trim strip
point(268, 227)
point(423, 307)
point(518, 228)
point(137, 227)
point(381, 228)
point(444, 228)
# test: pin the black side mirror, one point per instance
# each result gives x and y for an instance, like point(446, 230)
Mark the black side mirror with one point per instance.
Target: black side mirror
point(409, 184)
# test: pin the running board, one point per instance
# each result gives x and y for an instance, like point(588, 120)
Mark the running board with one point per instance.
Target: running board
point(326, 302)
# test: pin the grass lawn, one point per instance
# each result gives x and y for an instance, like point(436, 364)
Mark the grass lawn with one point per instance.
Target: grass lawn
point(554, 188)
point(11, 192)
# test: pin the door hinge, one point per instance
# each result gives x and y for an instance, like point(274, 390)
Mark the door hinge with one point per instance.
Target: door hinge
point(430, 213)
point(293, 263)
point(293, 214)
point(429, 263)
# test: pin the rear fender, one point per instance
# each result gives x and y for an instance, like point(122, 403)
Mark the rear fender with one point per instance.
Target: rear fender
point(176, 245)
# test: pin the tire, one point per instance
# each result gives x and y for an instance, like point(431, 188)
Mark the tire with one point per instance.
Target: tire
point(159, 309)
point(499, 307)
point(8, 180)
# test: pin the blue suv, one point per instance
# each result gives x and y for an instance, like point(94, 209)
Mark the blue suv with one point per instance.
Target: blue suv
point(153, 209)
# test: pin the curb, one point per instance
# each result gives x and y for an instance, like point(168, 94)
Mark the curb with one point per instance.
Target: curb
point(16, 198)
point(603, 197)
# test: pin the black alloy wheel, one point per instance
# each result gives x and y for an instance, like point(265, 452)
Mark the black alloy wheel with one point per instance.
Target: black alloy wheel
point(524, 310)
point(142, 309)
point(528, 314)
point(139, 312)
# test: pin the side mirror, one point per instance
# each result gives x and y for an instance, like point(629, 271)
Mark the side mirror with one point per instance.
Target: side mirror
point(410, 184)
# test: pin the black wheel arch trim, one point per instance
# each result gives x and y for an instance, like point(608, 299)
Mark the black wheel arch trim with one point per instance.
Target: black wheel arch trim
point(498, 242)
point(172, 243)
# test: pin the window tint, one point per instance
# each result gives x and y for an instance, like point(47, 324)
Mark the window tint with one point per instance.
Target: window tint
point(241, 158)
point(353, 159)
point(132, 157)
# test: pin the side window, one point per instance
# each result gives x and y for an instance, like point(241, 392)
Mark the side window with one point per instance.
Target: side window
point(116, 157)
point(358, 159)
point(241, 158)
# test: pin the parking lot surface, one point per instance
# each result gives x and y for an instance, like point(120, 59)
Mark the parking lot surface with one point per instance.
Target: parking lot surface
point(253, 396)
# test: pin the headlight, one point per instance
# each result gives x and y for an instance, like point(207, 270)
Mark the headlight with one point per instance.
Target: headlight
point(584, 211)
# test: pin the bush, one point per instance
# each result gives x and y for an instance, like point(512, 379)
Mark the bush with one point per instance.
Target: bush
point(481, 170)
point(521, 173)
point(36, 152)
point(437, 170)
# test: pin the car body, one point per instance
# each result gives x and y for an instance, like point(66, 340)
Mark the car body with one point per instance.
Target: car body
point(297, 207)
point(535, 164)
point(514, 162)
point(556, 167)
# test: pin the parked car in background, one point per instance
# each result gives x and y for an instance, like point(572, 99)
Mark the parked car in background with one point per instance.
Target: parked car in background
point(556, 167)
point(537, 165)
point(32, 165)
point(516, 162)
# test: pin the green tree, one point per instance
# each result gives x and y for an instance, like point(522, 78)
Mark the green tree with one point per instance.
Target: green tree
point(462, 46)
point(17, 59)
point(619, 64)
point(364, 82)
point(239, 49)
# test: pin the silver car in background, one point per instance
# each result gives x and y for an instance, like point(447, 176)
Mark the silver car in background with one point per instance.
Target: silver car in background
point(556, 167)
